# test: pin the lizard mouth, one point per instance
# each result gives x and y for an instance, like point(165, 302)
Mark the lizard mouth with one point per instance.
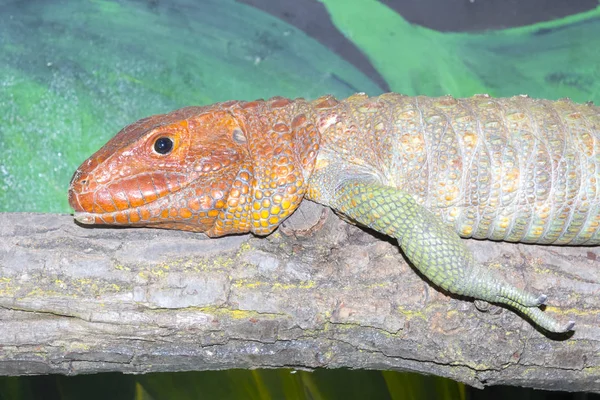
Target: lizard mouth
point(190, 201)
point(86, 218)
point(136, 200)
point(122, 217)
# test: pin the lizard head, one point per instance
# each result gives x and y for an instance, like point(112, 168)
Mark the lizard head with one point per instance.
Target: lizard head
point(195, 169)
point(174, 170)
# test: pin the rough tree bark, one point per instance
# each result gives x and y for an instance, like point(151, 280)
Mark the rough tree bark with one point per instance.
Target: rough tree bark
point(79, 300)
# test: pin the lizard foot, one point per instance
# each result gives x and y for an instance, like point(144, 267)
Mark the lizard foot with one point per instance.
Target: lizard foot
point(507, 293)
point(537, 316)
point(496, 290)
point(543, 320)
point(526, 300)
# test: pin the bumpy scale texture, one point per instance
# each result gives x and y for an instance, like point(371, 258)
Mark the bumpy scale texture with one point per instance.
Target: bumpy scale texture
point(423, 170)
point(515, 169)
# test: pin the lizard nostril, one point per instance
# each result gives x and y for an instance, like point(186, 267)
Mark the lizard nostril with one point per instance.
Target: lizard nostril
point(81, 182)
point(84, 181)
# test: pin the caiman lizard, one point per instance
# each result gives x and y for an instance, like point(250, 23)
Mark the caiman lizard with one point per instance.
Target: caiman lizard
point(423, 170)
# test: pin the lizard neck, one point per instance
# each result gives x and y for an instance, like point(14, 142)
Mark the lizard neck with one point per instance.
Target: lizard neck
point(344, 149)
point(283, 143)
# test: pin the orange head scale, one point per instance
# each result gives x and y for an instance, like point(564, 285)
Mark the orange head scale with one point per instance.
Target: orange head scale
point(227, 168)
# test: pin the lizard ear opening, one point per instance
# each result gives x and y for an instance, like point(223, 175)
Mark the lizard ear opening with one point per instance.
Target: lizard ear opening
point(239, 136)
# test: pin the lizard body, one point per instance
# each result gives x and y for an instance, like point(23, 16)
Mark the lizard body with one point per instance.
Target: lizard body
point(423, 170)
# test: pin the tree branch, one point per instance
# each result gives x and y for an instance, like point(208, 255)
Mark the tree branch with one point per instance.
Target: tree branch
point(78, 300)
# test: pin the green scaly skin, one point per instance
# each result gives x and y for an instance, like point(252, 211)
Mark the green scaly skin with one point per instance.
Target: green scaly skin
point(433, 248)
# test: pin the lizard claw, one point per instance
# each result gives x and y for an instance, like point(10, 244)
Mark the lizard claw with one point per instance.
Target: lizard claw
point(569, 326)
point(542, 300)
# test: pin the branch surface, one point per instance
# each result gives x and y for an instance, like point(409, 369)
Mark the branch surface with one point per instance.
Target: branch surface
point(317, 293)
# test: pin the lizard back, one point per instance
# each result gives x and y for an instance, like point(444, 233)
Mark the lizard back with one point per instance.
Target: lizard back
point(515, 169)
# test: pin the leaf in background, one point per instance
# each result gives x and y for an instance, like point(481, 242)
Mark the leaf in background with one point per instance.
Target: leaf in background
point(553, 59)
point(321, 384)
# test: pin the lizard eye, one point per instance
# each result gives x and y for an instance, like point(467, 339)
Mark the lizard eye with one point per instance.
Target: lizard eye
point(163, 145)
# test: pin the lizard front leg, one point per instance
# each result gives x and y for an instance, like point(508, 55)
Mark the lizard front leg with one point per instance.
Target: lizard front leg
point(431, 246)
